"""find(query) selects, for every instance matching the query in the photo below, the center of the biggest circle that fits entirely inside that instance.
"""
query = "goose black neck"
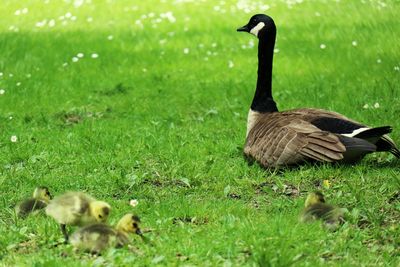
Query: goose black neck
(263, 101)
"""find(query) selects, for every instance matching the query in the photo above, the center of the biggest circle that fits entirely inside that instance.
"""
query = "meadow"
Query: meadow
(148, 100)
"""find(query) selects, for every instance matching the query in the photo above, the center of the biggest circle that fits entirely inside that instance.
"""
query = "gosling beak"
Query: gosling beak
(245, 28)
(138, 232)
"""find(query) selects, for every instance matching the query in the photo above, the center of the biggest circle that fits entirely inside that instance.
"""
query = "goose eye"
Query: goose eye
(100, 216)
(135, 225)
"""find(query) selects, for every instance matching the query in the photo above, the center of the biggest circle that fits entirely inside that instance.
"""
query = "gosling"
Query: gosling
(316, 208)
(77, 209)
(40, 199)
(97, 237)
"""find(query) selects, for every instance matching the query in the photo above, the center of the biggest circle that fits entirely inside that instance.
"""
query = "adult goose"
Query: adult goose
(291, 137)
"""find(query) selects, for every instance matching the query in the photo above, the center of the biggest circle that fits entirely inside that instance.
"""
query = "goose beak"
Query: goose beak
(138, 232)
(245, 28)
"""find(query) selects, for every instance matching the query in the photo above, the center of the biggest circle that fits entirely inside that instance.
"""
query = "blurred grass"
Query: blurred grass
(145, 120)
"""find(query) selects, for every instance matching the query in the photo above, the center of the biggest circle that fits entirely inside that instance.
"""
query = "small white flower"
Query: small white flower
(366, 106)
(230, 64)
(10, 75)
(322, 46)
(144, 70)
(379, 61)
(251, 43)
(14, 138)
(1, 74)
(2, 91)
(186, 50)
(10, 118)
(376, 105)
(396, 68)
(354, 43)
(133, 202)
(18, 84)
(24, 10)
(80, 55)
(276, 50)
(65, 64)
(75, 59)
(52, 23)
(68, 15)
(94, 55)
(110, 37)
(17, 12)
(214, 44)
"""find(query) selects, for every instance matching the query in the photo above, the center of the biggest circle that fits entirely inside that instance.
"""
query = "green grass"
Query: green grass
(145, 120)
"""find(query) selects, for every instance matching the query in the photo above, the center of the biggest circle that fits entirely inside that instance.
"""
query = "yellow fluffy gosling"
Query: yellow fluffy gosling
(316, 208)
(98, 237)
(40, 199)
(76, 208)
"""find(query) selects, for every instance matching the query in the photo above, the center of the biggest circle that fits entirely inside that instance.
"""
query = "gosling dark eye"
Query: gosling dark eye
(100, 216)
(135, 225)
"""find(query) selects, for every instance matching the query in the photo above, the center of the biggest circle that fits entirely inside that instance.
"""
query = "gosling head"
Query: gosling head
(100, 210)
(314, 198)
(129, 224)
(259, 24)
(42, 193)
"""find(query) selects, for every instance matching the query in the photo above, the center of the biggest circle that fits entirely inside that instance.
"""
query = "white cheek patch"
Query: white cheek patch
(257, 28)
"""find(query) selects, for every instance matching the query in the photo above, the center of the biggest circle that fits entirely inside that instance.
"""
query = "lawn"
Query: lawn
(148, 100)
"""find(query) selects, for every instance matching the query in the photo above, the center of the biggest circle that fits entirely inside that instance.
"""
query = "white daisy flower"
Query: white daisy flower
(379, 61)
(186, 50)
(80, 55)
(354, 43)
(14, 138)
(2, 91)
(322, 46)
(94, 55)
(75, 59)
(110, 37)
(52, 23)
(133, 202)
(366, 106)
(376, 105)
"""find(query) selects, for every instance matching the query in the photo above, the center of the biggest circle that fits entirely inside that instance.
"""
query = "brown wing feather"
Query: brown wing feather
(287, 138)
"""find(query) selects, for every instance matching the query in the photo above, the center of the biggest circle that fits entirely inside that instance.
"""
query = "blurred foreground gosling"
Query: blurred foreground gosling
(98, 237)
(40, 199)
(76, 208)
(316, 208)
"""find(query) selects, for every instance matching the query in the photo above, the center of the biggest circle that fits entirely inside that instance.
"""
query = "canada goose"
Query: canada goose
(40, 199)
(97, 237)
(276, 138)
(316, 208)
(76, 208)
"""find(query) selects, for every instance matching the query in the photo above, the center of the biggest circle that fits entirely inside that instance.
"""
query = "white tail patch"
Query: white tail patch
(357, 131)
(252, 118)
(257, 28)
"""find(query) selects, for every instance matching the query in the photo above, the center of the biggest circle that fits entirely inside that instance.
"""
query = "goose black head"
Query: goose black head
(258, 24)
